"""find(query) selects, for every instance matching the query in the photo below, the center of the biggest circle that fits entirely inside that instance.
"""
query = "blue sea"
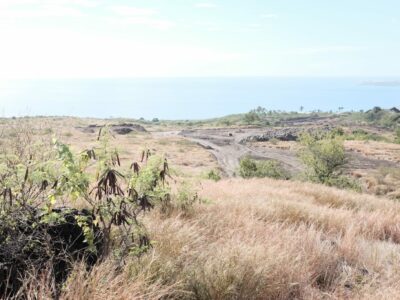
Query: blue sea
(191, 98)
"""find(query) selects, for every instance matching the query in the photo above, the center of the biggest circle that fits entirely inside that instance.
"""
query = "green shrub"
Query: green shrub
(397, 137)
(185, 198)
(214, 175)
(381, 117)
(338, 131)
(344, 182)
(324, 156)
(362, 135)
(249, 168)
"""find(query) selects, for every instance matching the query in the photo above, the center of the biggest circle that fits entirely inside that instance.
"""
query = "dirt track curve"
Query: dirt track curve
(229, 146)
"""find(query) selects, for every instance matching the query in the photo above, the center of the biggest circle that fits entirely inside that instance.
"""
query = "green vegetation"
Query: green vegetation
(397, 136)
(186, 198)
(376, 116)
(256, 117)
(261, 116)
(362, 135)
(249, 168)
(36, 179)
(213, 175)
(324, 157)
(159, 240)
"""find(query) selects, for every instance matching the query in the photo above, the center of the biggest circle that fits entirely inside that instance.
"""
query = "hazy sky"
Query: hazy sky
(88, 38)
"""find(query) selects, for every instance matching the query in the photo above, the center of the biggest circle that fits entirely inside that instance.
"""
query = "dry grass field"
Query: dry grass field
(244, 238)
(263, 239)
(381, 180)
(378, 150)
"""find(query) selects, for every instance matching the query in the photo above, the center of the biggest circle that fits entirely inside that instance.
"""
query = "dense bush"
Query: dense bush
(249, 168)
(382, 117)
(324, 156)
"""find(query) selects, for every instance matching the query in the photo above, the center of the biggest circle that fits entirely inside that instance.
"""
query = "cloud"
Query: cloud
(207, 25)
(254, 25)
(42, 12)
(325, 49)
(17, 9)
(15, 3)
(140, 16)
(85, 3)
(150, 22)
(133, 11)
(205, 5)
(55, 53)
(269, 16)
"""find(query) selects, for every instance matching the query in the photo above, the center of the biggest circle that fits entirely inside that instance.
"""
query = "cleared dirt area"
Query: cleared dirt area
(230, 145)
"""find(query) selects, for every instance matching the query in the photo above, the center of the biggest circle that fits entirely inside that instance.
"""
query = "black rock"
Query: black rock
(122, 130)
(37, 242)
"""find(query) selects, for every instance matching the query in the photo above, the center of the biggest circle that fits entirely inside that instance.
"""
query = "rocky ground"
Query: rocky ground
(230, 145)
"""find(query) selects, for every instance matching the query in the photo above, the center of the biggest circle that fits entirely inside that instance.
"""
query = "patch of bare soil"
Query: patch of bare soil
(230, 145)
(123, 128)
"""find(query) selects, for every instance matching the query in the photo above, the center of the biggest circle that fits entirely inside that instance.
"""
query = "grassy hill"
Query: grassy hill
(263, 239)
(227, 238)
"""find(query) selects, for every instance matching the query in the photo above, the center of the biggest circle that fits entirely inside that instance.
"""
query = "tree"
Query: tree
(251, 117)
(255, 115)
(260, 111)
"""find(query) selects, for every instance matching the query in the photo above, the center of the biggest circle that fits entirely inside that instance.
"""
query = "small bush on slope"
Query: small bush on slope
(213, 175)
(249, 168)
(324, 157)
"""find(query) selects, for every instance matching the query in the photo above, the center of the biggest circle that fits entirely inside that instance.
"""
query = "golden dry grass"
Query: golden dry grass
(266, 239)
(187, 158)
(377, 150)
(248, 239)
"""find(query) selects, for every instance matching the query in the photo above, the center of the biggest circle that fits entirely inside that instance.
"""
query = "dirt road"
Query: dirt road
(229, 146)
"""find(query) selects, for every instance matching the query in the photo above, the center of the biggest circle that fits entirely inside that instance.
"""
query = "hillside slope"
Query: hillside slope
(266, 239)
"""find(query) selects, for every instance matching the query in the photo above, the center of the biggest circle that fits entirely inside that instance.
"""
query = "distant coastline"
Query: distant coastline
(389, 83)
(191, 98)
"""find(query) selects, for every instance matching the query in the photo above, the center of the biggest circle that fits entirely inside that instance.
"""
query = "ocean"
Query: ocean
(191, 98)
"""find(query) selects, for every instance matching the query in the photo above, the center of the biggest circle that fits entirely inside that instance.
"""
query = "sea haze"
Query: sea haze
(191, 98)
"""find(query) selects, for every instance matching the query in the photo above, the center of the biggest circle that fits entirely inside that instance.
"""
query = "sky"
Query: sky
(42, 39)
